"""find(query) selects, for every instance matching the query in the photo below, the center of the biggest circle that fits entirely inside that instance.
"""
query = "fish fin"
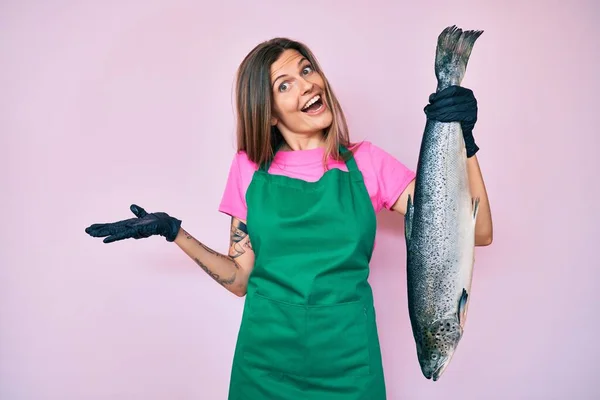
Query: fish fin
(462, 308)
(408, 219)
(475, 203)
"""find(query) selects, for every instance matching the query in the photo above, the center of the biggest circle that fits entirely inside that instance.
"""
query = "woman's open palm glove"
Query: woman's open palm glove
(145, 225)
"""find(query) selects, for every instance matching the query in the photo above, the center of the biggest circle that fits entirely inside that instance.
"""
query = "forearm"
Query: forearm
(483, 225)
(223, 269)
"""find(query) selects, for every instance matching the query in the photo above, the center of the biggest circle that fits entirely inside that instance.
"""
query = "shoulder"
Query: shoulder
(370, 155)
(240, 158)
(241, 171)
(384, 173)
(242, 166)
(371, 149)
(233, 201)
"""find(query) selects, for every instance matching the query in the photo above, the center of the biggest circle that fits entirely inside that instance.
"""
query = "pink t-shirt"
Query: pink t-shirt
(385, 177)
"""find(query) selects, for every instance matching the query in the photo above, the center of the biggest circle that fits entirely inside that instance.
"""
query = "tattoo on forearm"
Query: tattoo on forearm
(214, 275)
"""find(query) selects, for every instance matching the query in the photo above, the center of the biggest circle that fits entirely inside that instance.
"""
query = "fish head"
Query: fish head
(437, 346)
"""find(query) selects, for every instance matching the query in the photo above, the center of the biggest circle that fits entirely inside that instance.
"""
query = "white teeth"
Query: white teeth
(311, 102)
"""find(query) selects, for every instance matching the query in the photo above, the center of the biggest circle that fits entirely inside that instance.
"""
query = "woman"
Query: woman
(303, 201)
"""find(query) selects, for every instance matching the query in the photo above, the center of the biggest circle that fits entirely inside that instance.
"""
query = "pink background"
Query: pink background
(107, 103)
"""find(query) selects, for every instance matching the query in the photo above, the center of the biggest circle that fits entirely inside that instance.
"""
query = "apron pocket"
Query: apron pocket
(338, 340)
(273, 336)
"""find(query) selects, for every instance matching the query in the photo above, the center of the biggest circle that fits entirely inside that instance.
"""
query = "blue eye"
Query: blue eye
(283, 87)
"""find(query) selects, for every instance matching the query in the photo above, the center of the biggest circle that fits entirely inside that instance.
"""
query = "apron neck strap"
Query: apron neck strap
(267, 164)
(350, 162)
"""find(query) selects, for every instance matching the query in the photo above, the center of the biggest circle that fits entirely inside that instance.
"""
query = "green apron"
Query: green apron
(308, 329)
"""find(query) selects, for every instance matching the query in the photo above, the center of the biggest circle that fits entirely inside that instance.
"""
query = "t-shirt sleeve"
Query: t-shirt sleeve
(233, 201)
(392, 176)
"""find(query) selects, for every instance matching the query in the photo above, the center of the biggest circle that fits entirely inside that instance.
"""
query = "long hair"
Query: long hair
(254, 104)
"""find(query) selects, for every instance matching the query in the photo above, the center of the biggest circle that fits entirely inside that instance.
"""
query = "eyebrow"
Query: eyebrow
(283, 76)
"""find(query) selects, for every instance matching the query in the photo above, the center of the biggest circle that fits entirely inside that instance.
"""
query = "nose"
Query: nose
(306, 86)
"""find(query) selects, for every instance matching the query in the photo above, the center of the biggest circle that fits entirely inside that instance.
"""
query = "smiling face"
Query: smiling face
(274, 82)
(299, 97)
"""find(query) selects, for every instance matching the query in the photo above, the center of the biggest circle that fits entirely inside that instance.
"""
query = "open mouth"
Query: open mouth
(314, 105)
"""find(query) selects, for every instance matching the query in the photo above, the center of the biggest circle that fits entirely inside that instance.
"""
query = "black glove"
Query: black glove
(145, 225)
(455, 104)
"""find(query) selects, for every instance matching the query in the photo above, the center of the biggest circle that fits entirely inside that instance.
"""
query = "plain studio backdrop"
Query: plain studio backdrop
(104, 104)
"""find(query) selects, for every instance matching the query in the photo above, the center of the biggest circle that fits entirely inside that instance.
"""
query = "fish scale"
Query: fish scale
(440, 223)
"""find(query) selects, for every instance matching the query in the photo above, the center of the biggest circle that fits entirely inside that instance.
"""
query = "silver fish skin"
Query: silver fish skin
(440, 223)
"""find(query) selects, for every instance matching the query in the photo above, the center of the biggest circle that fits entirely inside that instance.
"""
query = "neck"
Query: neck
(295, 142)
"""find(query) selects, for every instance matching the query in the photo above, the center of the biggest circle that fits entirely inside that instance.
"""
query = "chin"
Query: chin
(326, 123)
(322, 121)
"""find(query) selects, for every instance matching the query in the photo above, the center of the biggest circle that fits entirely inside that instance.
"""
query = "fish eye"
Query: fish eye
(434, 356)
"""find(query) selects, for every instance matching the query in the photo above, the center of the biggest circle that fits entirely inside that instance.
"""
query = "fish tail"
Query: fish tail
(452, 55)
